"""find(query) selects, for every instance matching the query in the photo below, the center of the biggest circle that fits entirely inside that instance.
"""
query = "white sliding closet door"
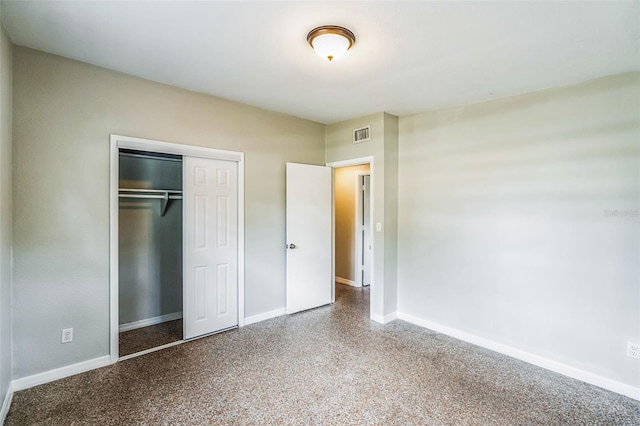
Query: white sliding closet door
(210, 198)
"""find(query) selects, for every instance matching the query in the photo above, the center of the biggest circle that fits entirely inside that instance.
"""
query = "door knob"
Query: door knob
(292, 246)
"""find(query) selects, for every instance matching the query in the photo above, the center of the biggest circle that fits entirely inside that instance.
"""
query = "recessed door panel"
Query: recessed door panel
(223, 289)
(223, 221)
(200, 293)
(200, 222)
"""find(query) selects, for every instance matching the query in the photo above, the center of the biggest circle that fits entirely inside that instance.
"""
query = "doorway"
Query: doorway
(185, 273)
(353, 244)
(352, 230)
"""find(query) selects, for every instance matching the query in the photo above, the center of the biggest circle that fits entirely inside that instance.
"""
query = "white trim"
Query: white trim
(241, 319)
(113, 249)
(384, 319)
(353, 162)
(333, 235)
(127, 142)
(139, 144)
(148, 351)
(557, 367)
(390, 317)
(374, 290)
(265, 316)
(6, 403)
(347, 282)
(377, 318)
(59, 373)
(149, 321)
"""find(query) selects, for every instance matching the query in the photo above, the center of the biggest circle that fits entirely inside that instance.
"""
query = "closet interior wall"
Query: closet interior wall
(150, 243)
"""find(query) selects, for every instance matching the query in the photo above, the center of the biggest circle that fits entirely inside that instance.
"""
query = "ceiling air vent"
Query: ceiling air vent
(362, 134)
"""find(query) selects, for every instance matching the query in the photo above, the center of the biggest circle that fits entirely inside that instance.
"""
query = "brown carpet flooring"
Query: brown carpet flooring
(326, 366)
(141, 339)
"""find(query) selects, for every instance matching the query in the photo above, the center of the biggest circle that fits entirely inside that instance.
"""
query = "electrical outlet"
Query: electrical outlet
(67, 335)
(633, 350)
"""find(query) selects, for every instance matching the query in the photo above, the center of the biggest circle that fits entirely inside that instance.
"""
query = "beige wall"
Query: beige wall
(64, 113)
(5, 209)
(339, 146)
(345, 184)
(391, 139)
(518, 222)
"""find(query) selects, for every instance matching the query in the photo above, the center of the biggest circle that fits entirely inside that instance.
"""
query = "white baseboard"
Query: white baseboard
(59, 373)
(557, 367)
(390, 317)
(149, 321)
(265, 316)
(6, 403)
(384, 319)
(346, 281)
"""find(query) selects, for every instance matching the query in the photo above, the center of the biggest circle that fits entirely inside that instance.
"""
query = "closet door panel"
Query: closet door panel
(210, 198)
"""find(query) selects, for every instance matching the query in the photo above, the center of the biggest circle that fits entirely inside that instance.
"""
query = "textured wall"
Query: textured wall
(64, 113)
(345, 183)
(5, 209)
(150, 245)
(519, 222)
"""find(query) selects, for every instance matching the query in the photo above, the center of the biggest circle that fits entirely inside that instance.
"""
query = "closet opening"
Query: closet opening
(149, 250)
(176, 244)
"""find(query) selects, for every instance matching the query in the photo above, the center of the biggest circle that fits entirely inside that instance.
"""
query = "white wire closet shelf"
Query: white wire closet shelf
(164, 195)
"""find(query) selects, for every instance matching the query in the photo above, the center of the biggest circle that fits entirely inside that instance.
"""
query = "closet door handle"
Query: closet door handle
(291, 246)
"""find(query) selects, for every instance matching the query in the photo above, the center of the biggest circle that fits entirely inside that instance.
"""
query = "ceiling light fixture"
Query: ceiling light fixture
(331, 41)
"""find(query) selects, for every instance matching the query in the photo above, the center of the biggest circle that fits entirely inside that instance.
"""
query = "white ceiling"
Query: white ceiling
(409, 56)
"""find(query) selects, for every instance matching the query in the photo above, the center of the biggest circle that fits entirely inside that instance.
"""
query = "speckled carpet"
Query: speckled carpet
(141, 339)
(326, 366)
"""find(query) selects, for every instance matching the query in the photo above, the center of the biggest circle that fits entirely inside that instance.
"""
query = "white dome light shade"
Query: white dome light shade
(330, 46)
(330, 41)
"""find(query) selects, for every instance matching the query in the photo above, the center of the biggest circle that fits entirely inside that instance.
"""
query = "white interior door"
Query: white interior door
(366, 230)
(308, 205)
(210, 199)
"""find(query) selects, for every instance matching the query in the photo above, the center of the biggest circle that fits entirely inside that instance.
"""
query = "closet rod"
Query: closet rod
(164, 195)
(160, 197)
(160, 191)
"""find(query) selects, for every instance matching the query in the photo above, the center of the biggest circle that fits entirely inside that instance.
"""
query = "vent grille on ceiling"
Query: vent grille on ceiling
(362, 134)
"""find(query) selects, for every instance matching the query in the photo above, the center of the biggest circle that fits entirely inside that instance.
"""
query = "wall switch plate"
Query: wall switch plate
(67, 335)
(378, 227)
(633, 350)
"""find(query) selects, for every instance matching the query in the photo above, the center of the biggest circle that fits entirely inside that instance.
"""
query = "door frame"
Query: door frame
(346, 163)
(359, 245)
(116, 143)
